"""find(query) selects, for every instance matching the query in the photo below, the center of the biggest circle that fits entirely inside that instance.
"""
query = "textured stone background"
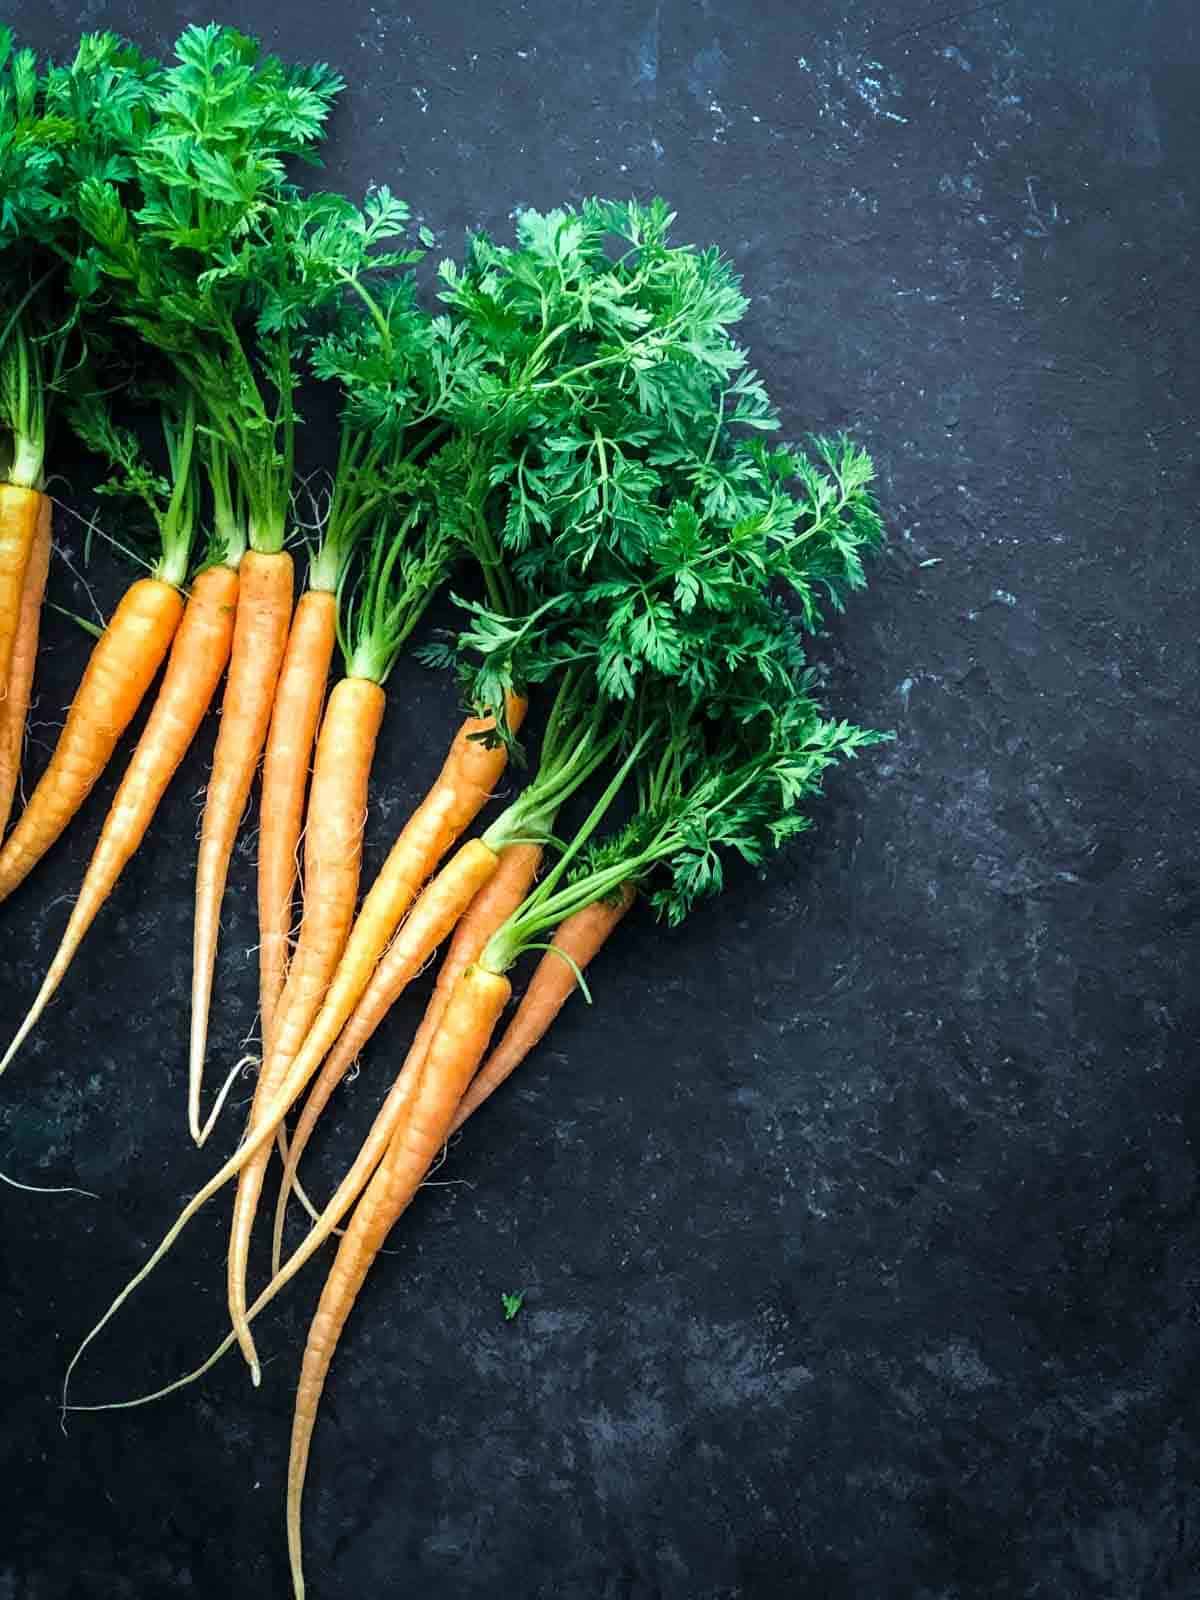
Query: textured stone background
(858, 1221)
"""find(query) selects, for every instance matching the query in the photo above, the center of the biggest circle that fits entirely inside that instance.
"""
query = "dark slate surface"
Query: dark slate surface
(858, 1221)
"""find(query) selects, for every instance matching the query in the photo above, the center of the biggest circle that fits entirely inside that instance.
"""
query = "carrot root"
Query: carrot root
(332, 856)
(20, 511)
(122, 666)
(198, 656)
(454, 1052)
(286, 760)
(264, 606)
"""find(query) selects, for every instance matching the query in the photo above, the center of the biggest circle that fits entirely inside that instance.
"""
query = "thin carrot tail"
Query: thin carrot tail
(474, 1008)
(81, 920)
(250, 1183)
(259, 640)
(14, 706)
(554, 981)
(337, 1064)
(272, 1078)
(111, 854)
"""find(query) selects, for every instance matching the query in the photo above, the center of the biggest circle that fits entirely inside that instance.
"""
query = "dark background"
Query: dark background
(858, 1220)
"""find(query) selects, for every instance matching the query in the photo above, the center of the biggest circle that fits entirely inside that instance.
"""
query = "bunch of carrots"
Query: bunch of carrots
(573, 447)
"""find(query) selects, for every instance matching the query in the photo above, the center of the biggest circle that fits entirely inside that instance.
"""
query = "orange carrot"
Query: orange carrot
(469, 774)
(198, 657)
(581, 936)
(14, 706)
(454, 1052)
(475, 886)
(20, 510)
(332, 857)
(264, 608)
(462, 788)
(495, 902)
(122, 667)
(298, 700)
(313, 1009)
(500, 896)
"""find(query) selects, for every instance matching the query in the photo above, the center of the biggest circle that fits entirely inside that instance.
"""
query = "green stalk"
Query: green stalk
(548, 905)
(373, 309)
(357, 464)
(177, 526)
(567, 764)
(23, 404)
(228, 544)
(396, 590)
(487, 553)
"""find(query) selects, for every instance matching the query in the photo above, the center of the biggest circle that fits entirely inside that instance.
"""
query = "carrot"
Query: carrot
(302, 1041)
(568, 760)
(198, 657)
(122, 667)
(332, 856)
(298, 700)
(303, 1038)
(126, 658)
(492, 904)
(467, 777)
(580, 937)
(14, 705)
(20, 511)
(475, 886)
(487, 910)
(454, 1052)
(462, 788)
(500, 893)
(259, 639)
(371, 620)
(428, 1101)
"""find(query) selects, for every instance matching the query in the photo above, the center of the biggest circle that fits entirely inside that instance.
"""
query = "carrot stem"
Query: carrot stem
(264, 606)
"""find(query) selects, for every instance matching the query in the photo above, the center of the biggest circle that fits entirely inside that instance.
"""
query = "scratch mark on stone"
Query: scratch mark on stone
(945, 20)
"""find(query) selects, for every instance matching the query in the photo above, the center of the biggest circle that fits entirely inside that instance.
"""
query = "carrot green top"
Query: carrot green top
(170, 498)
(707, 789)
(54, 126)
(22, 403)
(185, 239)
